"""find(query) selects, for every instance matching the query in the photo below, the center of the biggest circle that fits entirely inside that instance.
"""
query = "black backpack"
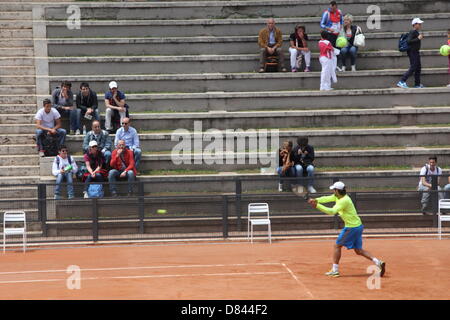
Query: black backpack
(403, 42)
(50, 143)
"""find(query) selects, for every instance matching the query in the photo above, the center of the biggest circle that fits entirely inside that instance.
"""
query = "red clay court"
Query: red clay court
(288, 270)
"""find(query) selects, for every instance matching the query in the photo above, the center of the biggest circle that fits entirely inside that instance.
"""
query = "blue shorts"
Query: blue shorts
(351, 237)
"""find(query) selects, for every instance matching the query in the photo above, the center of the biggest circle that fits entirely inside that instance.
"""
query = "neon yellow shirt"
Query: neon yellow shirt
(344, 207)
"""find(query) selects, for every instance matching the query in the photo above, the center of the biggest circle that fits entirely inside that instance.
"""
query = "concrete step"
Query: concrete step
(13, 43)
(326, 138)
(19, 160)
(231, 161)
(20, 89)
(15, 180)
(239, 63)
(296, 119)
(17, 71)
(209, 44)
(230, 27)
(19, 170)
(17, 80)
(6, 139)
(285, 100)
(17, 99)
(18, 108)
(235, 82)
(14, 191)
(17, 118)
(17, 129)
(236, 9)
(15, 15)
(16, 24)
(16, 149)
(17, 52)
(16, 61)
(16, 33)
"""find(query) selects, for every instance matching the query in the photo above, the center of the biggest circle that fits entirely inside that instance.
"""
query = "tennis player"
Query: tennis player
(351, 235)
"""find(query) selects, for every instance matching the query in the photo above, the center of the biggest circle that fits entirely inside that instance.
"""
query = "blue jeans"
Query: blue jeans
(59, 179)
(78, 115)
(137, 157)
(288, 173)
(61, 134)
(72, 115)
(349, 51)
(114, 175)
(447, 191)
(309, 174)
(98, 178)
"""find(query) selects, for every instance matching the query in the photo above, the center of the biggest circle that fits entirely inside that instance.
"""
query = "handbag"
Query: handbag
(360, 39)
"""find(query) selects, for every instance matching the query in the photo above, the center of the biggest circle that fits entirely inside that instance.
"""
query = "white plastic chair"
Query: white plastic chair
(258, 209)
(443, 204)
(14, 217)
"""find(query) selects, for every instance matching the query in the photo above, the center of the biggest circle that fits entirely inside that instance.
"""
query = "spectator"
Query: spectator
(48, 122)
(102, 138)
(303, 159)
(87, 104)
(331, 22)
(131, 138)
(430, 169)
(62, 100)
(350, 50)
(115, 106)
(415, 66)
(64, 167)
(122, 164)
(328, 73)
(270, 40)
(285, 164)
(95, 165)
(299, 46)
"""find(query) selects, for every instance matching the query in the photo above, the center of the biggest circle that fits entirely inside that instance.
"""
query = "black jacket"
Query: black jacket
(302, 159)
(87, 102)
(413, 40)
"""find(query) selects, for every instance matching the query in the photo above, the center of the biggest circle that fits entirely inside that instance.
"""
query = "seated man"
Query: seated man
(285, 164)
(62, 100)
(64, 167)
(303, 159)
(87, 105)
(428, 170)
(122, 164)
(131, 138)
(48, 122)
(115, 105)
(102, 138)
(95, 165)
(270, 40)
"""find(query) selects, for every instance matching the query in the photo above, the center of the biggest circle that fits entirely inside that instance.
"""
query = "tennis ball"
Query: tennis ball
(341, 42)
(445, 50)
(161, 211)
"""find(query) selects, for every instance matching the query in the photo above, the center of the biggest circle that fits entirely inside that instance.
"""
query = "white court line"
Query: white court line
(148, 267)
(298, 281)
(151, 276)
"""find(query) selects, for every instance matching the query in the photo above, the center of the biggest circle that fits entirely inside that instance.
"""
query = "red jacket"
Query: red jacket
(128, 157)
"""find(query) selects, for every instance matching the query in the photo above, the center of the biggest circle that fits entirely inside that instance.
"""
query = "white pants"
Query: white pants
(327, 73)
(294, 54)
(108, 116)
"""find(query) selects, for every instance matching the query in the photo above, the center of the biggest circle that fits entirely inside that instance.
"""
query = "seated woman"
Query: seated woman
(286, 166)
(350, 51)
(299, 46)
(95, 164)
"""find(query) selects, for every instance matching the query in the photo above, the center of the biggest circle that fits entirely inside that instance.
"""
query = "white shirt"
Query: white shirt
(56, 169)
(48, 119)
(423, 172)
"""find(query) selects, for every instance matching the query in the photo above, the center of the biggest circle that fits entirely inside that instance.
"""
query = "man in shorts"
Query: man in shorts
(351, 235)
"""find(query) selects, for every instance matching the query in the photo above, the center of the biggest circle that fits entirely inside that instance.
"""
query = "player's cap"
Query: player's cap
(93, 143)
(338, 185)
(112, 84)
(416, 20)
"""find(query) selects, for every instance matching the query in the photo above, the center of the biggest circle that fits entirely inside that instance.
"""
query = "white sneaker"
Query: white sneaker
(85, 195)
(280, 187)
(353, 68)
(311, 189)
(300, 189)
(339, 69)
(343, 68)
(77, 132)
